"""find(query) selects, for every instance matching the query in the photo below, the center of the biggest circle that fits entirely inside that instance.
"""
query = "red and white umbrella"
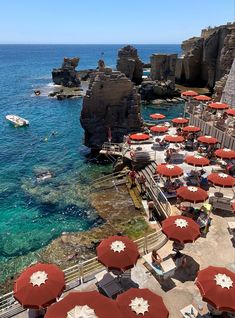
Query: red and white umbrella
(180, 120)
(157, 116)
(221, 180)
(217, 287)
(197, 161)
(39, 286)
(136, 303)
(225, 153)
(230, 112)
(139, 136)
(191, 128)
(159, 129)
(202, 98)
(218, 105)
(90, 304)
(181, 229)
(207, 140)
(174, 138)
(118, 253)
(189, 93)
(192, 194)
(172, 171)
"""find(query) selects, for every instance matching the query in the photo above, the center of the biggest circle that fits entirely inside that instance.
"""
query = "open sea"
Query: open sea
(31, 213)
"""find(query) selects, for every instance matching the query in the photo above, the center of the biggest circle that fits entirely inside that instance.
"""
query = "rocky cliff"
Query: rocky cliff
(130, 64)
(67, 75)
(206, 59)
(111, 104)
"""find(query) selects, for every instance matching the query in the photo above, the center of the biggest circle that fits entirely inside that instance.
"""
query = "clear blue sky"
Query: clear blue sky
(109, 21)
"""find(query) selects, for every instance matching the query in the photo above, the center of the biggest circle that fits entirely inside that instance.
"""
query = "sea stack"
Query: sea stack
(130, 64)
(67, 75)
(111, 106)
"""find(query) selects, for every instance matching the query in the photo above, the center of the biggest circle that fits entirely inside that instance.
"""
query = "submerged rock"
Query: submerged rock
(111, 106)
(130, 64)
(67, 75)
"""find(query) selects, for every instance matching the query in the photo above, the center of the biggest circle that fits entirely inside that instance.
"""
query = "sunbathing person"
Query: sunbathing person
(156, 258)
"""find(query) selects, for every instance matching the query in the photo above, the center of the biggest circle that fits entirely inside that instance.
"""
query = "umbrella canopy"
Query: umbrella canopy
(179, 120)
(197, 161)
(207, 140)
(192, 194)
(85, 305)
(218, 105)
(221, 180)
(230, 112)
(191, 129)
(189, 93)
(181, 229)
(225, 153)
(217, 287)
(118, 253)
(139, 136)
(39, 286)
(136, 303)
(159, 129)
(171, 171)
(157, 116)
(202, 98)
(174, 138)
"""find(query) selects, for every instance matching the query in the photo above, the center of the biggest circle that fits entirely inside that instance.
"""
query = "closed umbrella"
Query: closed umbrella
(136, 303)
(139, 136)
(217, 287)
(207, 140)
(225, 153)
(192, 194)
(174, 138)
(181, 229)
(118, 253)
(171, 171)
(84, 305)
(39, 286)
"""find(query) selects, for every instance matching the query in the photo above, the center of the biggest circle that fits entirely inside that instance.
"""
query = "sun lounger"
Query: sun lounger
(165, 270)
(176, 158)
(222, 203)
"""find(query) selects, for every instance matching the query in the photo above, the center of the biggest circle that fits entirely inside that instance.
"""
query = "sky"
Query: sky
(109, 21)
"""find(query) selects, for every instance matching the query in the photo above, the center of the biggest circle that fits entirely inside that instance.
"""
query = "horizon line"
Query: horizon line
(90, 43)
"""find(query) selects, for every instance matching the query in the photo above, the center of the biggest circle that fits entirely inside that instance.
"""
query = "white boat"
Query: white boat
(17, 120)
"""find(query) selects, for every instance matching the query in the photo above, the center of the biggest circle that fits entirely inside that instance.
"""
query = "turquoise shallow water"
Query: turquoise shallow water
(31, 213)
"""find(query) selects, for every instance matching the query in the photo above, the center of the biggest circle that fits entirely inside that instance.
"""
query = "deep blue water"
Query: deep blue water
(32, 214)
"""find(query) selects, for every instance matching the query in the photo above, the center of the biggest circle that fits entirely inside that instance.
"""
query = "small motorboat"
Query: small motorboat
(44, 176)
(17, 121)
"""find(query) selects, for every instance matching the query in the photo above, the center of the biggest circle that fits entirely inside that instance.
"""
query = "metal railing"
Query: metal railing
(108, 146)
(83, 272)
(159, 198)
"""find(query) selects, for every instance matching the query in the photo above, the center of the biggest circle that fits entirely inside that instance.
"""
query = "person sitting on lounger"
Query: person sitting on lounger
(156, 258)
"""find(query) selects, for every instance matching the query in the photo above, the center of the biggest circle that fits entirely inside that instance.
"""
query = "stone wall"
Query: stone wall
(130, 64)
(111, 102)
(208, 58)
(163, 67)
(228, 93)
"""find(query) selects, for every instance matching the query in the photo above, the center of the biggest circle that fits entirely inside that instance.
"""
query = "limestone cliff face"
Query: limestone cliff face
(67, 75)
(130, 64)
(207, 58)
(111, 102)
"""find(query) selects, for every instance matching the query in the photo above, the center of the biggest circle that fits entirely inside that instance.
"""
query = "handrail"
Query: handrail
(108, 178)
(82, 272)
(159, 198)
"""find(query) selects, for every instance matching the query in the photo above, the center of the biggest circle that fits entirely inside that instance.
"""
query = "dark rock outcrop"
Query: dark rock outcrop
(151, 90)
(111, 103)
(130, 64)
(67, 75)
(206, 59)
